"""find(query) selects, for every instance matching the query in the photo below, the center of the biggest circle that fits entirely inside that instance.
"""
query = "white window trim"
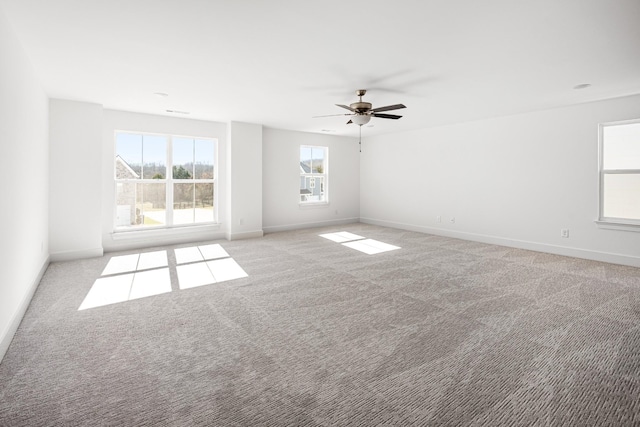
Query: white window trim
(324, 175)
(612, 223)
(312, 205)
(178, 230)
(622, 226)
(166, 228)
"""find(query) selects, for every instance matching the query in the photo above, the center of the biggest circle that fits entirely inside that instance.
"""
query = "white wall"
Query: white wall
(244, 172)
(24, 187)
(513, 180)
(75, 179)
(281, 181)
(136, 122)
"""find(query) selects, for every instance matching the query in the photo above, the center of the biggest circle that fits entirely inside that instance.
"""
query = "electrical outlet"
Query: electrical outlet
(564, 233)
(439, 218)
(241, 221)
(453, 219)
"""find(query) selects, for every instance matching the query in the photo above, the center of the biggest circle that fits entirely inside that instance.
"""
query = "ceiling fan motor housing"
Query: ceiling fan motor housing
(361, 107)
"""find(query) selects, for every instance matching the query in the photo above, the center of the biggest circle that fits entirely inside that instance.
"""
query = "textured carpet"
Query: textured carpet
(439, 332)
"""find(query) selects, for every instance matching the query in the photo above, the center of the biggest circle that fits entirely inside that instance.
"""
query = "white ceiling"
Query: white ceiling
(281, 62)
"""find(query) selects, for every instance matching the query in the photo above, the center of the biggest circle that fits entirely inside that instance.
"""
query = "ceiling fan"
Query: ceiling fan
(361, 112)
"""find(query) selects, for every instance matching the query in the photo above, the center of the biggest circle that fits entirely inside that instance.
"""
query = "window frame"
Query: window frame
(617, 223)
(324, 175)
(169, 182)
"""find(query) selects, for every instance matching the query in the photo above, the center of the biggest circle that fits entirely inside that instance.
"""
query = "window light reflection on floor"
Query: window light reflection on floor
(341, 237)
(129, 277)
(370, 246)
(226, 269)
(135, 262)
(126, 287)
(152, 282)
(212, 265)
(108, 290)
(359, 243)
(199, 253)
(193, 275)
(149, 260)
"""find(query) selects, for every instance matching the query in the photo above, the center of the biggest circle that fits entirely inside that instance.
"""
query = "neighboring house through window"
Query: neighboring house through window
(620, 173)
(163, 180)
(313, 174)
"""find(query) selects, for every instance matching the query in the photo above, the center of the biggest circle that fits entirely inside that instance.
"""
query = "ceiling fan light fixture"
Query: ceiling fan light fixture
(360, 119)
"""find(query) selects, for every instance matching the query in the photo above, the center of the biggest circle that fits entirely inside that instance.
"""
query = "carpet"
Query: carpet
(438, 332)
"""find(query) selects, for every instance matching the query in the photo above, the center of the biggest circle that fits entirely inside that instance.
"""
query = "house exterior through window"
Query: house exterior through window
(313, 174)
(163, 181)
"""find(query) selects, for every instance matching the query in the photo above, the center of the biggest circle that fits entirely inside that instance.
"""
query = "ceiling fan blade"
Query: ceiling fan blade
(346, 107)
(386, 116)
(388, 108)
(332, 115)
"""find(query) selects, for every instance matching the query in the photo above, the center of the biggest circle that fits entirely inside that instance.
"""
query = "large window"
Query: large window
(163, 180)
(620, 172)
(313, 174)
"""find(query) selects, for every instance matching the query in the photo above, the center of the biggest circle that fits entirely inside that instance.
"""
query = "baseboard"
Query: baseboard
(71, 255)
(245, 235)
(612, 258)
(301, 226)
(10, 331)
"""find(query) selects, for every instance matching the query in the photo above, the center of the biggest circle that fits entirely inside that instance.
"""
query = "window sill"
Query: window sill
(311, 205)
(621, 226)
(163, 232)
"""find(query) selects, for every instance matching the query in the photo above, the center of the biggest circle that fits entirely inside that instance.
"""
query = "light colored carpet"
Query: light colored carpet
(440, 332)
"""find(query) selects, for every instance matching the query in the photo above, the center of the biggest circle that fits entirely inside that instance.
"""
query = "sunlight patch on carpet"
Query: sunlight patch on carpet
(341, 236)
(226, 269)
(199, 253)
(205, 265)
(124, 287)
(208, 273)
(194, 275)
(370, 246)
(134, 276)
(135, 262)
(213, 251)
(108, 290)
(148, 283)
(359, 243)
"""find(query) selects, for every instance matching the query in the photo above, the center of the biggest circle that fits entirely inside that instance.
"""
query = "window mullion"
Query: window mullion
(193, 181)
(169, 189)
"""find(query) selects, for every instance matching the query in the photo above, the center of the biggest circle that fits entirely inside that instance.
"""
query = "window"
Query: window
(163, 180)
(313, 174)
(620, 172)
